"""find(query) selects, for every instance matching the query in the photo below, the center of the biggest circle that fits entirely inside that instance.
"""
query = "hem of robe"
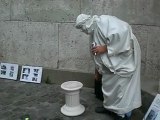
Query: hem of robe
(123, 110)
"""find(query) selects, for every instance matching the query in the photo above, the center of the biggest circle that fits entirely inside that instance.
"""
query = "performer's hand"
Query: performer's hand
(99, 50)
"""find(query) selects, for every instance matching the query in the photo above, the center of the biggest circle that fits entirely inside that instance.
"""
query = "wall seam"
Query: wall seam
(37, 21)
(80, 6)
(58, 48)
(146, 25)
(10, 11)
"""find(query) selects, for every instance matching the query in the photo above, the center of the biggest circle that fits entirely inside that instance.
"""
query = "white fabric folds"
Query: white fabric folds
(120, 66)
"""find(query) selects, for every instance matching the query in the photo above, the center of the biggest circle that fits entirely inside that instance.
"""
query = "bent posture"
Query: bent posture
(117, 57)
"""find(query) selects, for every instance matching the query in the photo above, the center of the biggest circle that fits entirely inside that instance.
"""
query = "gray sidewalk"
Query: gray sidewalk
(43, 102)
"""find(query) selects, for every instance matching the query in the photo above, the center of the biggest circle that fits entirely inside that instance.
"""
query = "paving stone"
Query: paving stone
(43, 102)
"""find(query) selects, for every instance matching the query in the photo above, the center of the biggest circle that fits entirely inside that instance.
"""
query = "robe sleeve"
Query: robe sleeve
(118, 43)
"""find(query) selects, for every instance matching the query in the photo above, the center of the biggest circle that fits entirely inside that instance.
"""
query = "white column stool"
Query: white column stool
(72, 105)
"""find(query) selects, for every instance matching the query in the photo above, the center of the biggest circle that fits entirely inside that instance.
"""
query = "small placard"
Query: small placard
(153, 112)
(31, 74)
(8, 71)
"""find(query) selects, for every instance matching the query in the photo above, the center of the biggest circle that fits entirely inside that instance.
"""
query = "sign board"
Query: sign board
(153, 112)
(9, 71)
(31, 74)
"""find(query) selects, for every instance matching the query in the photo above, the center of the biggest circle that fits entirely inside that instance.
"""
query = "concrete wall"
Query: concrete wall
(42, 33)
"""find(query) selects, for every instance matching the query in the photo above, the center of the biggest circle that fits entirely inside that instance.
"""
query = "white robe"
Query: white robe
(120, 67)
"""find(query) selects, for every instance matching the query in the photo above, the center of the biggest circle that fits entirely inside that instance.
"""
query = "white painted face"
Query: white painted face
(84, 29)
(87, 30)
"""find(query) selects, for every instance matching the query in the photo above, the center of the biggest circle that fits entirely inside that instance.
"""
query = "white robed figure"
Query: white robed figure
(119, 63)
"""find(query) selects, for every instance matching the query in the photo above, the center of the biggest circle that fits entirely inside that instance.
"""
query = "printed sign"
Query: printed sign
(8, 71)
(153, 112)
(31, 74)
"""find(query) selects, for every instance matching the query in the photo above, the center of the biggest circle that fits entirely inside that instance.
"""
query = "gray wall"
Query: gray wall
(42, 33)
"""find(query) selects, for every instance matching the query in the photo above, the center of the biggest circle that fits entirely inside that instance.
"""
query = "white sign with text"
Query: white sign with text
(31, 74)
(9, 71)
(153, 112)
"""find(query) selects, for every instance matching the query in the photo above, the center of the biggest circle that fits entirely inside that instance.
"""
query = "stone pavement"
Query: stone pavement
(43, 102)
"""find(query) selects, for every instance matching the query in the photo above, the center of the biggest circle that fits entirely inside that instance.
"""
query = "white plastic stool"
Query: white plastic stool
(72, 105)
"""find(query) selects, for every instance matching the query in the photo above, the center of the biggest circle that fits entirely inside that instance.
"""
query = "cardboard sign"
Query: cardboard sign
(8, 71)
(31, 74)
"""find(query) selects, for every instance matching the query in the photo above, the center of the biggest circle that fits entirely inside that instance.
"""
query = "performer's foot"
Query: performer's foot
(103, 110)
(122, 118)
(118, 118)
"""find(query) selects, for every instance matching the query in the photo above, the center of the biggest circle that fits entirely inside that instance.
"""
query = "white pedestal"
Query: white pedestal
(72, 105)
